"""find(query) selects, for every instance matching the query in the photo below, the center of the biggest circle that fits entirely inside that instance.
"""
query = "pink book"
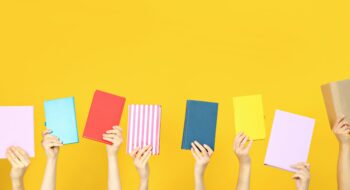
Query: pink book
(16, 128)
(290, 140)
(144, 127)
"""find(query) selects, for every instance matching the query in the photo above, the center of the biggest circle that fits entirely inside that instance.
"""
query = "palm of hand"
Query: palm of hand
(203, 161)
(341, 135)
(115, 146)
(52, 152)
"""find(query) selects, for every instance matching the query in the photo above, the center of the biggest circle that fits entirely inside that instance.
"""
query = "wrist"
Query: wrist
(51, 160)
(16, 179)
(304, 185)
(199, 171)
(144, 178)
(112, 155)
(244, 162)
(344, 145)
(17, 183)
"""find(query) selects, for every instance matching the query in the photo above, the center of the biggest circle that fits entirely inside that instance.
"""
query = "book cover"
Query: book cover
(105, 112)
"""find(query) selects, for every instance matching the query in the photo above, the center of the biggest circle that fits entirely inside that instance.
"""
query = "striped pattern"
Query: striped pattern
(144, 127)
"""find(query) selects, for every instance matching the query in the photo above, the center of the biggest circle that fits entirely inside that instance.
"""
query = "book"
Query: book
(17, 129)
(249, 116)
(290, 140)
(200, 123)
(144, 127)
(105, 112)
(336, 97)
(61, 119)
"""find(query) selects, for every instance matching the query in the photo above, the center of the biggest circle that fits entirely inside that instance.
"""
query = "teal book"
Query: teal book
(200, 123)
(61, 119)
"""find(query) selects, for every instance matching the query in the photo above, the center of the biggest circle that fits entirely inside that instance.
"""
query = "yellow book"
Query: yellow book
(249, 116)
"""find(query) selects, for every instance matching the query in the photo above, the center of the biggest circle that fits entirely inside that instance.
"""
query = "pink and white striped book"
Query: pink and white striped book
(144, 127)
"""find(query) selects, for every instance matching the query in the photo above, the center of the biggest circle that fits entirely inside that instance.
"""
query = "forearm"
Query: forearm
(113, 173)
(49, 181)
(243, 182)
(17, 184)
(344, 167)
(143, 184)
(199, 179)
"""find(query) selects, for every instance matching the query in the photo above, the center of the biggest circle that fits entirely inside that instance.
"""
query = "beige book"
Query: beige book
(336, 96)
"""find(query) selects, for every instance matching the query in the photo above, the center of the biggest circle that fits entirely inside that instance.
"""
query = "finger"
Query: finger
(111, 140)
(296, 176)
(54, 144)
(209, 150)
(343, 124)
(14, 158)
(9, 158)
(347, 130)
(46, 132)
(111, 132)
(140, 153)
(50, 137)
(307, 166)
(340, 119)
(134, 152)
(109, 135)
(146, 157)
(147, 154)
(244, 141)
(194, 154)
(24, 154)
(236, 141)
(201, 148)
(249, 146)
(21, 158)
(50, 141)
(299, 166)
(239, 140)
(196, 150)
(118, 128)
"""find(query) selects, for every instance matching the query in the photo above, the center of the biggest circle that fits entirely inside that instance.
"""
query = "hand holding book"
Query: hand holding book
(302, 175)
(341, 129)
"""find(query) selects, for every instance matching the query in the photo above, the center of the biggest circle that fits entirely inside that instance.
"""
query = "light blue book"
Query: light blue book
(60, 118)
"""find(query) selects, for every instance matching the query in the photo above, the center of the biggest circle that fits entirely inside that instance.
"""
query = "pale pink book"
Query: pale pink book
(16, 128)
(290, 140)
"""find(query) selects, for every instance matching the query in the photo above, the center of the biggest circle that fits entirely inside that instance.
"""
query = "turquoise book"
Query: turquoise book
(200, 123)
(61, 119)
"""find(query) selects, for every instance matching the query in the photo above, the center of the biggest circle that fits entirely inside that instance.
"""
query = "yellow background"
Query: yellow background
(156, 51)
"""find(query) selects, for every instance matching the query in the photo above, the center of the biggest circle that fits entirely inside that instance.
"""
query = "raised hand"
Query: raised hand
(302, 176)
(115, 137)
(341, 129)
(141, 157)
(51, 144)
(20, 161)
(241, 149)
(202, 155)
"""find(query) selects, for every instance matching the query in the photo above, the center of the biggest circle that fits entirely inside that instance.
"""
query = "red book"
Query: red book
(105, 112)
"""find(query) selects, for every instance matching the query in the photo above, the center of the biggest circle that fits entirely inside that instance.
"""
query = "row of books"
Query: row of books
(289, 141)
